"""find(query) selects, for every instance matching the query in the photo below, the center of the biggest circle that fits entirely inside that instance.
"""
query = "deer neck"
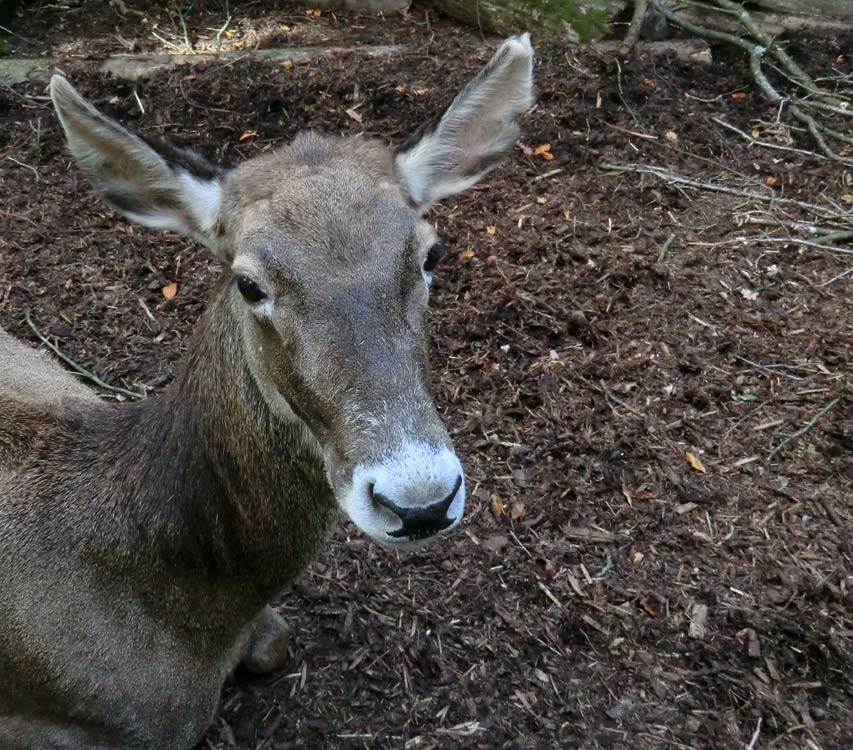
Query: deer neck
(231, 484)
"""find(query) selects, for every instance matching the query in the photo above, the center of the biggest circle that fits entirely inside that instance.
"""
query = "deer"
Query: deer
(144, 543)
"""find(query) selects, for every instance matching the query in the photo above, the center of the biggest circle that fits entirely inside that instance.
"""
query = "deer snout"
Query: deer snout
(420, 521)
(416, 494)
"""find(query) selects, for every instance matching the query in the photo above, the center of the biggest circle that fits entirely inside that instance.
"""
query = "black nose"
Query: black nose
(422, 521)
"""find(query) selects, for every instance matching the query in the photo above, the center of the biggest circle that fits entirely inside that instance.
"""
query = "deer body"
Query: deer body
(141, 544)
(144, 538)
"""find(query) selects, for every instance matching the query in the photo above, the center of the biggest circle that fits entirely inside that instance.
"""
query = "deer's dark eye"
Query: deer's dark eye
(251, 292)
(434, 255)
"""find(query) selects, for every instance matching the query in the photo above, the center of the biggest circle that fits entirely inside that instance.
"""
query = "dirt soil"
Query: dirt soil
(595, 331)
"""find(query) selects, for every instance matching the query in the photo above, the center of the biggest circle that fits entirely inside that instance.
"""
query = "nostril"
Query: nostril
(419, 521)
(383, 502)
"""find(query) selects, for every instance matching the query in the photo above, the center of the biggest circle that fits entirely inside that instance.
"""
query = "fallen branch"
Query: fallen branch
(763, 38)
(78, 369)
(763, 46)
(636, 25)
(799, 433)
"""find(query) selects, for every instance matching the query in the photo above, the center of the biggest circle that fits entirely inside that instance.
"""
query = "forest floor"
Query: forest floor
(650, 560)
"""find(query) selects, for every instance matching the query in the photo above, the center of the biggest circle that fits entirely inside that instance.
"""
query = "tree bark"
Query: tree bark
(579, 20)
(828, 9)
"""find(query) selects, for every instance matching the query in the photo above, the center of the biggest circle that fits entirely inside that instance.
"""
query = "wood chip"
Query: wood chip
(576, 587)
(753, 646)
(584, 534)
(698, 618)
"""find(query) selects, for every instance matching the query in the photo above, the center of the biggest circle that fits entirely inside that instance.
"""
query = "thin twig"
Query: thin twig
(836, 277)
(81, 371)
(613, 397)
(765, 144)
(765, 368)
(758, 239)
(799, 433)
(843, 111)
(757, 733)
(755, 58)
(814, 129)
(25, 166)
(665, 248)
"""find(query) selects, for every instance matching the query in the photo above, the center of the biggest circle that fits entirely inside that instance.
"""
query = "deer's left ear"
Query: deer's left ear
(476, 132)
(164, 188)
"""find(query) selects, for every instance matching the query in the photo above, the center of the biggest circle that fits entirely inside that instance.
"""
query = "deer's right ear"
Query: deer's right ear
(175, 189)
(475, 133)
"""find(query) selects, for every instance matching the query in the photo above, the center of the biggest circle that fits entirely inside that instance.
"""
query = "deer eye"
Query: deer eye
(434, 255)
(251, 292)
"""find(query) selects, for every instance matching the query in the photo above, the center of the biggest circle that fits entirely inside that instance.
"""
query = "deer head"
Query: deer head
(331, 264)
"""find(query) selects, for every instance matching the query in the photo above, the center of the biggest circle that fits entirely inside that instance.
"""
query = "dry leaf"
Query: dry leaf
(466, 254)
(847, 199)
(516, 510)
(541, 201)
(491, 230)
(649, 83)
(286, 64)
(671, 135)
(284, 27)
(314, 13)
(771, 180)
(694, 462)
(544, 151)
(497, 505)
(756, 133)
(248, 134)
(739, 95)
(170, 290)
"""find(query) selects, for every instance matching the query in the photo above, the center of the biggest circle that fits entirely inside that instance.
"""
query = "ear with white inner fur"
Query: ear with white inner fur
(476, 132)
(173, 189)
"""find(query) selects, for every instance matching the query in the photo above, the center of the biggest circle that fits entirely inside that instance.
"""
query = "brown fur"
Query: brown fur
(146, 535)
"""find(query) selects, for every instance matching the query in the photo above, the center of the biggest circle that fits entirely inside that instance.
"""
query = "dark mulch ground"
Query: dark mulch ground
(576, 368)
